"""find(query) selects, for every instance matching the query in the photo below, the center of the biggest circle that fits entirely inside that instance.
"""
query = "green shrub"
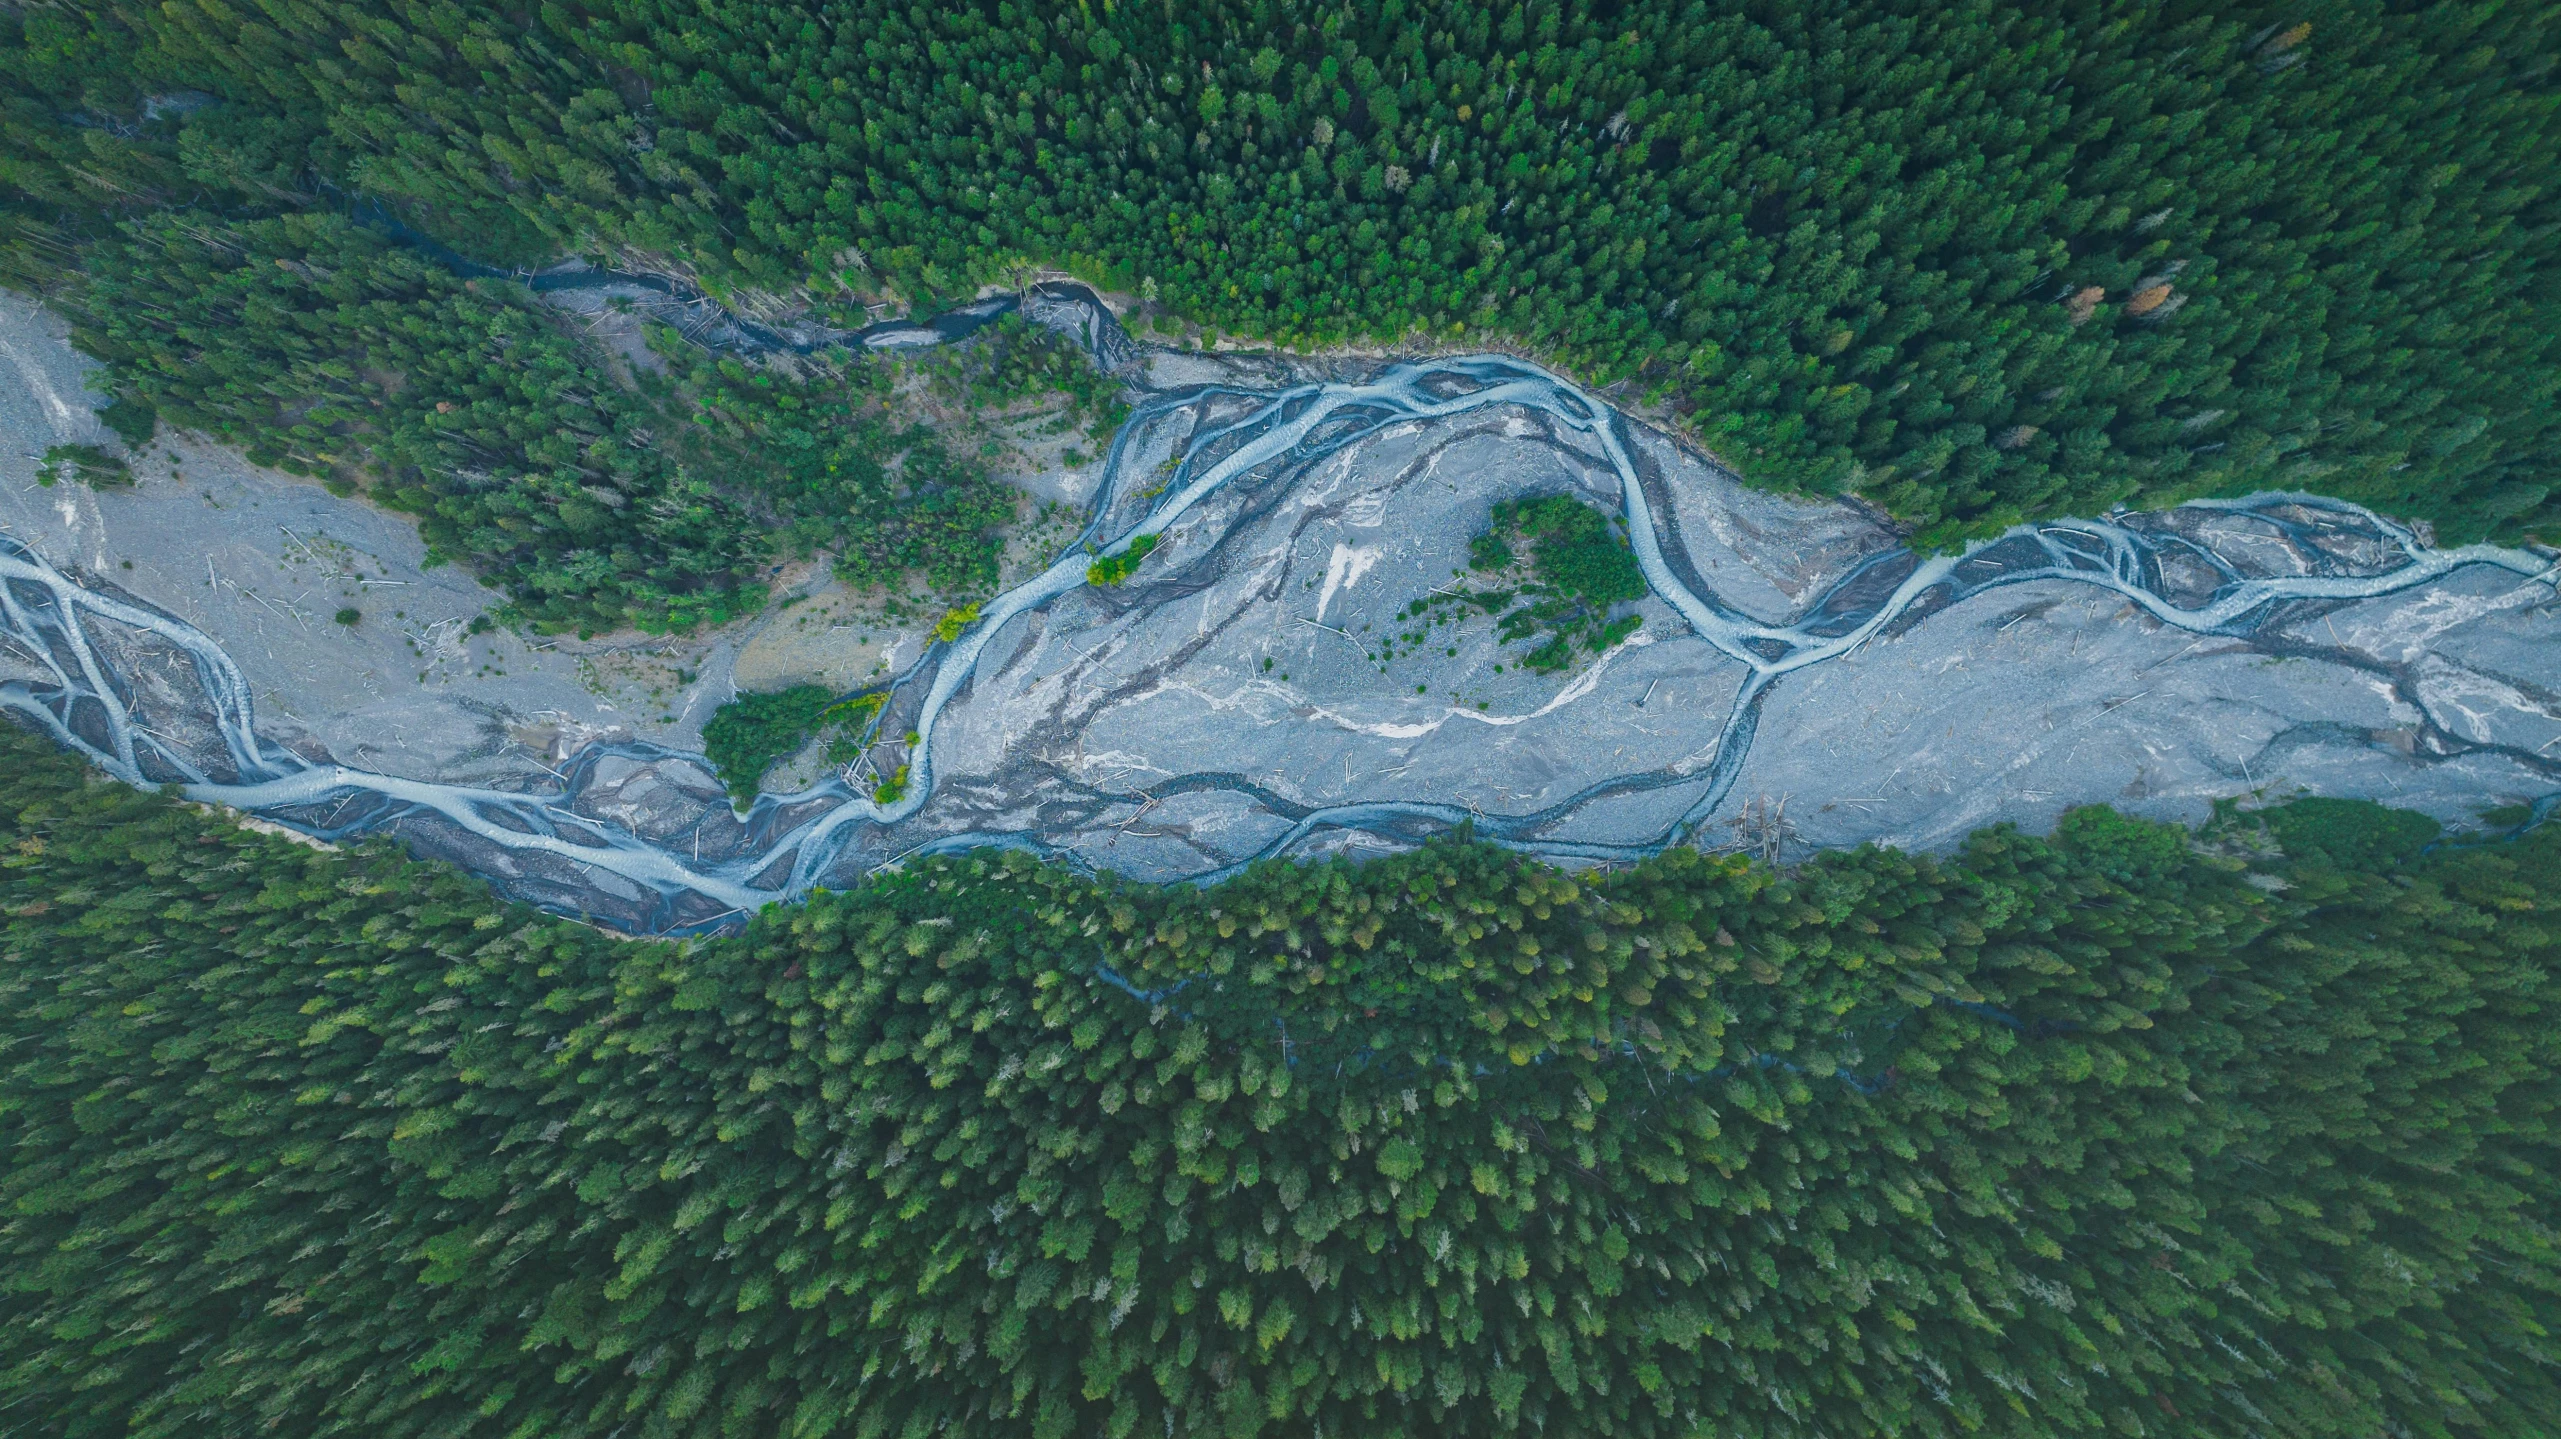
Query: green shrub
(88, 464)
(1112, 569)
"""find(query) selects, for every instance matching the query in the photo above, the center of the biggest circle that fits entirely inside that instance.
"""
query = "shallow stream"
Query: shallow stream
(1240, 481)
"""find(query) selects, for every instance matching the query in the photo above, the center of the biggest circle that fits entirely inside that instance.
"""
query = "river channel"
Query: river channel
(1239, 698)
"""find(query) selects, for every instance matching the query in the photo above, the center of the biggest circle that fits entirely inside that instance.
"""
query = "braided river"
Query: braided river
(1239, 698)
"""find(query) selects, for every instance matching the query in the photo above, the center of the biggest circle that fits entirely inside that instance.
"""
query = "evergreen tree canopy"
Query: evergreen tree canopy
(2112, 1132)
(1976, 263)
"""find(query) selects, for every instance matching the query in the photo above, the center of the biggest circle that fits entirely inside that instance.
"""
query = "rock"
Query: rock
(1798, 681)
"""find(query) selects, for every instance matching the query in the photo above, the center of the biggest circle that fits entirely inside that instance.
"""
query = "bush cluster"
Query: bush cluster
(1561, 594)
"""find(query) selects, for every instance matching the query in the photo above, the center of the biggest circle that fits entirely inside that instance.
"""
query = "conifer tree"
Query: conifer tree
(2120, 1131)
(1979, 268)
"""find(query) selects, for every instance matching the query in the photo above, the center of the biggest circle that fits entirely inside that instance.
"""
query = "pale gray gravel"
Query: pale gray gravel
(1227, 699)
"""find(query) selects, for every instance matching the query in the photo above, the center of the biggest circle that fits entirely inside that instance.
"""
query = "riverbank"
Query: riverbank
(1798, 682)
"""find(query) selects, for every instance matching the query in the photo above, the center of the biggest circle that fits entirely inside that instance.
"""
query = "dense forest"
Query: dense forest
(2123, 1131)
(593, 501)
(1977, 264)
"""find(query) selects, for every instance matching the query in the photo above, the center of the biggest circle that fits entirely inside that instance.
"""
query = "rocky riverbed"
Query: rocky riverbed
(1798, 680)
